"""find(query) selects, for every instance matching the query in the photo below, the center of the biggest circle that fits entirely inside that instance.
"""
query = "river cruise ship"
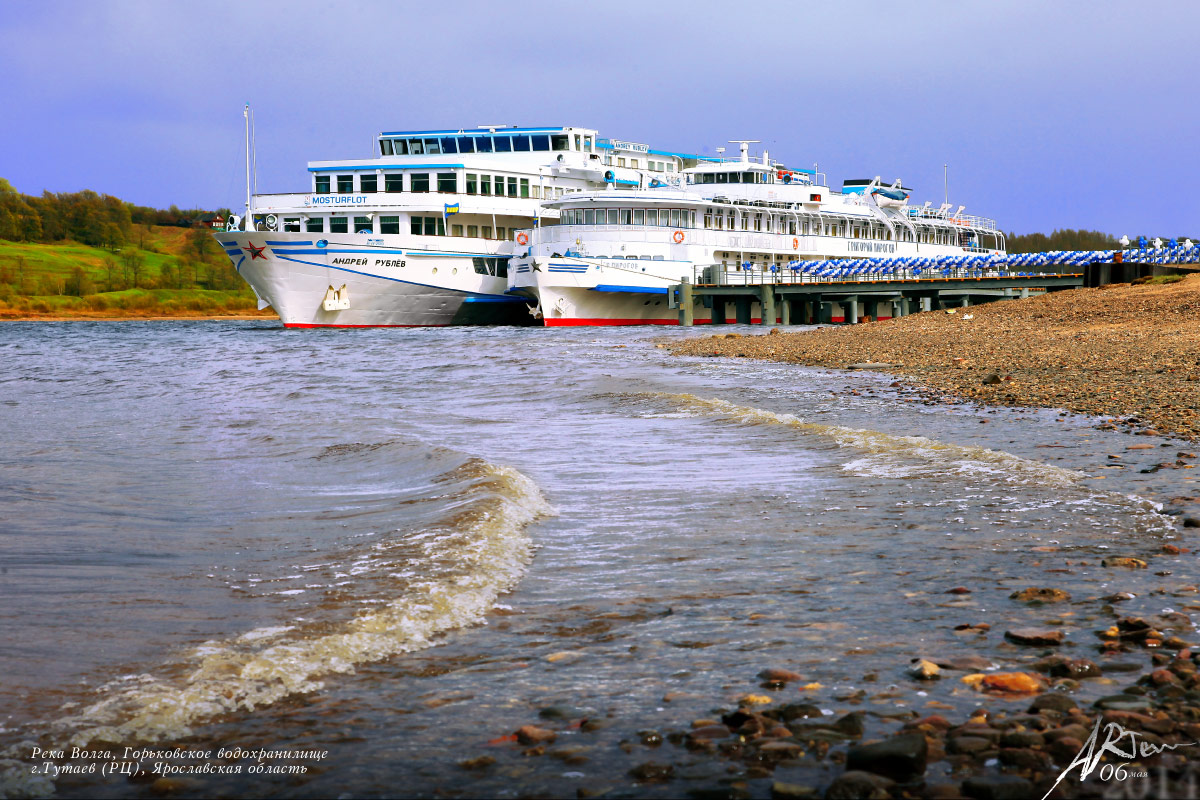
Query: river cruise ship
(613, 255)
(422, 232)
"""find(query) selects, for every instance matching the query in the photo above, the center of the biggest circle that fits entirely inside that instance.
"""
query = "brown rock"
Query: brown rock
(1006, 683)
(531, 734)
(1024, 758)
(924, 670)
(652, 771)
(1040, 595)
(856, 785)
(1123, 561)
(477, 763)
(1033, 637)
(967, 745)
(777, 675)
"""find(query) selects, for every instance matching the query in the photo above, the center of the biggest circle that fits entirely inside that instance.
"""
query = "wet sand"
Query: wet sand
(1127, 352)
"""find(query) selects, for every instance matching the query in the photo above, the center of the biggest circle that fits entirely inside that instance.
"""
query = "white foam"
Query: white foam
(483, 551)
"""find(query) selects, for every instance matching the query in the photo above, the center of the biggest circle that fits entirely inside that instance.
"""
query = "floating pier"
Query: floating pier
(805, 293)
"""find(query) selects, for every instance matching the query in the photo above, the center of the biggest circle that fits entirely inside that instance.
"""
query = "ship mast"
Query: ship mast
(249, 215)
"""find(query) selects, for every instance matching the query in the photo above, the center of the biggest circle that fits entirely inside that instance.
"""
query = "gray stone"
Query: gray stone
(900, 757)
(859, 786)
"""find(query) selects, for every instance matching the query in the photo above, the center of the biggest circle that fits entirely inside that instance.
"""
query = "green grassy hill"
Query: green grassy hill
(159, 271)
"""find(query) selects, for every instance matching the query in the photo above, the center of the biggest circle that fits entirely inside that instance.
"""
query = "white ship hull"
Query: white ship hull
(578, 298)
(368, 281)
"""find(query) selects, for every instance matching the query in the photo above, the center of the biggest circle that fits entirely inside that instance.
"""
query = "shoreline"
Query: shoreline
(101, 317)
(1122, 352)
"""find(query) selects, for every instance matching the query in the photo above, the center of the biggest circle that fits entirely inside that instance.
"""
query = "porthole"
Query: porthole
(454, 271)
(646, 303)
(435, 270)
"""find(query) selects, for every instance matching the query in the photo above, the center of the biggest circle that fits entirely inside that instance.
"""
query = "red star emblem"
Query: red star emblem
(255, 252)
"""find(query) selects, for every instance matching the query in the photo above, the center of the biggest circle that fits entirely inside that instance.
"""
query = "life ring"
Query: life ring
(795, 244)
(678, 237)
(522, 238)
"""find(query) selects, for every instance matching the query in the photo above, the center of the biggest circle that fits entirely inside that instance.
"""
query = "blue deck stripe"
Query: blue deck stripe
(608, 287)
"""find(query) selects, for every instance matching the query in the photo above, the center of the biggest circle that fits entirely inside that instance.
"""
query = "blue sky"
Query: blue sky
(1049, 114)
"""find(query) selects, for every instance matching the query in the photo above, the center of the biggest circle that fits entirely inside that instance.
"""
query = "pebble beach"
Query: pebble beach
(1129, 353)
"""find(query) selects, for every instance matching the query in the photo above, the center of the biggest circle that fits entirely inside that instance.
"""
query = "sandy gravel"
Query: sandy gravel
(1122, 351)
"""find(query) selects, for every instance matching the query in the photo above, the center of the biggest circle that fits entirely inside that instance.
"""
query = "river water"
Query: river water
(398, 546)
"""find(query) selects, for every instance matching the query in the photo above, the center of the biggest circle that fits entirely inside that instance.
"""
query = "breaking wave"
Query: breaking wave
(884, 454)
(400, 593)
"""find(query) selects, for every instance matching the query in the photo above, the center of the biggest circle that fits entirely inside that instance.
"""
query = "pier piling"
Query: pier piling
(766, 299)
(685, 302)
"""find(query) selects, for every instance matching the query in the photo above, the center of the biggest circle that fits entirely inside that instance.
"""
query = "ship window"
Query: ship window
(483, 144)
(652, 216)
(620, 161)
(322, 184)
(612, 216)
(486, 231)
(524, 187)
(416, 147)
(418, 182)
(393, 182)
(626, 216)
(639, 216)
(456, 230)
(466, 144)
(414, 225)
(449, 144)
(385, 147)
(480, 265)
(671, 166)
(521, 144)
(447, 182)
(315, 225)
(472, 183)
(345, 184)
(485, 184)
(512, 187)
(633, 162)
(389, 224)
(503, 144)
(722, 177)
(674, 217)
(432, 147)
(561, 142)
(473, 231)
(363, 225)
(400, 147)
(338, 225)
(501, 267)
(536, 192)
(589, 216)
(748, 177)
(501, 233)
(541, 142)
(291, 224)
(368, 184)
(587, 142)
(644, 258)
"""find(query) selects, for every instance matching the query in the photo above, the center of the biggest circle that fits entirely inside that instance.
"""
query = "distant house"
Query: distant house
(215, 223)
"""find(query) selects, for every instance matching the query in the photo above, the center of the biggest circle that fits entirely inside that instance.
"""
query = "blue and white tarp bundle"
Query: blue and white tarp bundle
(986, 265)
